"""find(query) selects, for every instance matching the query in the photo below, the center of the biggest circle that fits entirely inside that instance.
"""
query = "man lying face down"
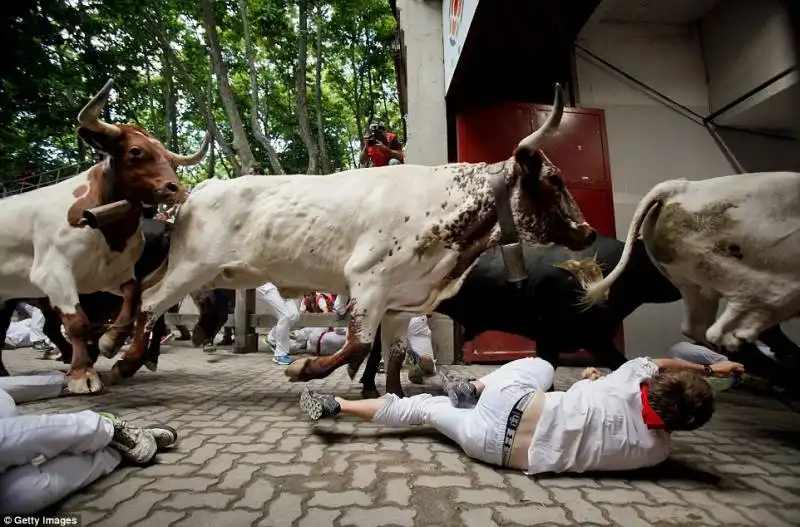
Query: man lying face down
(507, 418)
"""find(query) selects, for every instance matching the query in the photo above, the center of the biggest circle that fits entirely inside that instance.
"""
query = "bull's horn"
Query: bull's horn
(535, 141)
(89, 117)
(195, 158)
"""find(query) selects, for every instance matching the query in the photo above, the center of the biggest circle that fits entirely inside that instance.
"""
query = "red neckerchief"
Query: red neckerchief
(650, 417)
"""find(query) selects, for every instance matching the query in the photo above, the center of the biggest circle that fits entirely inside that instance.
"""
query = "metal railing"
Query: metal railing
(25, 183)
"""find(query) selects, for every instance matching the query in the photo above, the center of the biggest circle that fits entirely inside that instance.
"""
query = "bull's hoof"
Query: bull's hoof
(84, 382)
(124, 369)
(352, 371)
(296, 370)
(370, 393)
(150, 365)
(107, 346)
(4, 372)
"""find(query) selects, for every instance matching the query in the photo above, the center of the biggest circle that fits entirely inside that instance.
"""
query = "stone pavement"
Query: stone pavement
(247, 457)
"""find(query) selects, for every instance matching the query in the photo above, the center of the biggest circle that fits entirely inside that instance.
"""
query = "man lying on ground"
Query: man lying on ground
(618, 422)
(45, 458)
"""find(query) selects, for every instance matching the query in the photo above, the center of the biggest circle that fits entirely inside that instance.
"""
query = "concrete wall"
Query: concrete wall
(421, 21)
(648, 142)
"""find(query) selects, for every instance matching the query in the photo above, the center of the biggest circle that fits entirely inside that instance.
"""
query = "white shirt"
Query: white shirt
(598, 425)
(419, 336)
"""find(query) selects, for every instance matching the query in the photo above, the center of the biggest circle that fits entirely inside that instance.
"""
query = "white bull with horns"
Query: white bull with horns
(397, 240)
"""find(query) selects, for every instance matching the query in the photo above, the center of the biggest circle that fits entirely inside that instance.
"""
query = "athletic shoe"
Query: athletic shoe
(8, 345)
(318, 405)
(51, 355)
(166, 339)
(461, 392)
(283, 360)
(111, 416)
(135, 444)
(165, 436)
(42, 346)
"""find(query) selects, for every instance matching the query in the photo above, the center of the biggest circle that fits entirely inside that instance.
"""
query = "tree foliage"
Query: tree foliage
(287, 94)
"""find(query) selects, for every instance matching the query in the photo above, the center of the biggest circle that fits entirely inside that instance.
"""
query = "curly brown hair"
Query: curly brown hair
(683, 399)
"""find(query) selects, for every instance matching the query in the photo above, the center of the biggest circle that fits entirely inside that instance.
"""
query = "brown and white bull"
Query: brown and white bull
(47, 250)
(733, 237)
(396, 239)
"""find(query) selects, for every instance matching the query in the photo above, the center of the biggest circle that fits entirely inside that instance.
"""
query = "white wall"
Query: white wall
(648, 142)
(421, 22)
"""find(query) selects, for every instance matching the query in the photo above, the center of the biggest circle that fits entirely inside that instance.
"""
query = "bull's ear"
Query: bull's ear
(96, 140)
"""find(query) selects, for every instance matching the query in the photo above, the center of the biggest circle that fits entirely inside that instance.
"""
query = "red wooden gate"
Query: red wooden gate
(579, 149)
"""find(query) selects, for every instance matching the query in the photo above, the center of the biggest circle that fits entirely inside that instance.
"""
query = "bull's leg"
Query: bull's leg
(6, 312)
(369, 389)
(57, 282)
(700, 311)
(394, 342)
(114, 338)
(365, 315)
(177, 283)
(154, 347)
(738, 324)
(52, 329)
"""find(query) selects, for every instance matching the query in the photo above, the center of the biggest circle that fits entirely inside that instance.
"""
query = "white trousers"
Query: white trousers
(27, 332)
(45, 458)
(419, 336)
(702, 355)
(284, 310)
(479, 431)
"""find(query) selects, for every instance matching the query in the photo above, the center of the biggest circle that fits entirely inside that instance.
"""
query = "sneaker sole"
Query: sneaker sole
(310, 406)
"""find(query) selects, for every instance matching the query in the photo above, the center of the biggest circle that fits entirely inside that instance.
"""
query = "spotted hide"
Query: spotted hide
(733, 237)
(397, 240)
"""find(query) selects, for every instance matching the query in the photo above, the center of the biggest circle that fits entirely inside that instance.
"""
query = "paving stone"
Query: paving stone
(319, 517)
(283, 511)
(377, 517)
(196, 500)
(443, 481)
(173, 483)
(258, 493)
(238, 477)
(530, 490)
(336, 499)
(119, 493)
(478, 518)
(364, 475)
(234, 518)
(160, 519)
(134, 509)
(482, 496)
(526, 515)
(679, 514)
(240, 426)
(582, 510)
(397, 491)
(295, 469)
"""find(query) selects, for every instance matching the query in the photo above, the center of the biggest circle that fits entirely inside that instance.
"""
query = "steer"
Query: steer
(736, 237)
(47, 250)
(399, 240)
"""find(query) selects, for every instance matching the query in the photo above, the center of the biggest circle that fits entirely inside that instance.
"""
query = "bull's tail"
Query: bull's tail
(598, 291)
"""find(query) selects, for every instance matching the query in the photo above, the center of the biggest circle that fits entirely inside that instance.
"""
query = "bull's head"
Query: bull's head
(142, 170)
(545, 210)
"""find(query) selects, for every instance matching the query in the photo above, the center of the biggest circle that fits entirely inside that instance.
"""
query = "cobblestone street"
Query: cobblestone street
(247, 457)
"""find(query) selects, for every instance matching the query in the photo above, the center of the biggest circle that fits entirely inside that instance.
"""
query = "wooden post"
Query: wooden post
(246, 337)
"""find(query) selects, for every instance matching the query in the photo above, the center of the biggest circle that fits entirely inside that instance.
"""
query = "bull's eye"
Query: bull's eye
(135, 152)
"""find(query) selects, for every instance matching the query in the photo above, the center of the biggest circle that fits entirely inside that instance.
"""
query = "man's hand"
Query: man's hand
(727, 368)
(383, 148)
(591, 373)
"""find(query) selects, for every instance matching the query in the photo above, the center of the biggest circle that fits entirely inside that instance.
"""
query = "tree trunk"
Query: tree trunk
(240, 143)
(170, 105)
(360, 129)
(255, 125)
(301, 89)
(323, 151)
(212, 161)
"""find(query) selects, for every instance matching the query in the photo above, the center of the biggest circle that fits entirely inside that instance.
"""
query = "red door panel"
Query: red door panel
(598, 209)
(577, 148)
(490, 135)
